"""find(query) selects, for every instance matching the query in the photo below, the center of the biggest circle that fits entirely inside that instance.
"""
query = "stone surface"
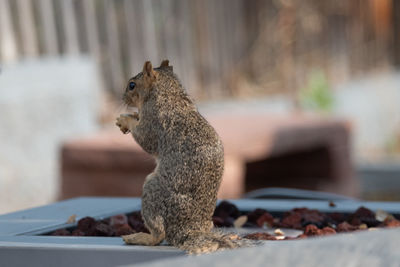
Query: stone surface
(373, 248)
(19, 246)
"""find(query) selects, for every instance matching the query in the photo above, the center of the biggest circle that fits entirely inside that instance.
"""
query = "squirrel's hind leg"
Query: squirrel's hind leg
(151, 215)
(157, 234)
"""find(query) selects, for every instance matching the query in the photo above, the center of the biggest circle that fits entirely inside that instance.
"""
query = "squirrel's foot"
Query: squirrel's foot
(143, 239)
(127, 122)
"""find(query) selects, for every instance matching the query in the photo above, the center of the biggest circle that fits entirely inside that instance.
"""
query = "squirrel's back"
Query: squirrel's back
(180, 196)
(185, 138)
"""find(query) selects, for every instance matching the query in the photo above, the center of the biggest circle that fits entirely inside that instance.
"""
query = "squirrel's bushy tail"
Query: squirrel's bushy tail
(212, 241)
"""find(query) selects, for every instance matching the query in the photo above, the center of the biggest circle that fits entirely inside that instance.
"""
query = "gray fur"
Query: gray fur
(179, 197)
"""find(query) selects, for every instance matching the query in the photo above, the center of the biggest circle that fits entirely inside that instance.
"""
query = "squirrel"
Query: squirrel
(180, 195)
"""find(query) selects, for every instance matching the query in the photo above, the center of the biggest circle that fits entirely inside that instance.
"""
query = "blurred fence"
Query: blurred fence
(219, 48)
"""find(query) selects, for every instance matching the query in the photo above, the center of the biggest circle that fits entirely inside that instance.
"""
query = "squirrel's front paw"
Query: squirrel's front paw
(127, 122)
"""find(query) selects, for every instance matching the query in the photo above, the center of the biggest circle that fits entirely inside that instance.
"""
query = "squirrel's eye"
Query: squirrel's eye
(132, 85)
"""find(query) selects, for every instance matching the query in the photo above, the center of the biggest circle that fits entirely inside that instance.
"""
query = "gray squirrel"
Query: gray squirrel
(180, 195)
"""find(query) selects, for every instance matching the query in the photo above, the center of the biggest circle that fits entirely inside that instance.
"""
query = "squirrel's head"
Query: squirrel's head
(140, 86)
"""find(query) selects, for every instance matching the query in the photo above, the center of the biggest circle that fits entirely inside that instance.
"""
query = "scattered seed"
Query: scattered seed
(72, 218)
(382, 215)
(234, 237)
(279, 232)
(240, 221)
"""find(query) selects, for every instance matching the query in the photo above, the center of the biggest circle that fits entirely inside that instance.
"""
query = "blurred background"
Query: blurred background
(319, 80)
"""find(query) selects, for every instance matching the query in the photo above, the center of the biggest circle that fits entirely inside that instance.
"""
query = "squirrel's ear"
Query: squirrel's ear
(148, 71)
(164, 63)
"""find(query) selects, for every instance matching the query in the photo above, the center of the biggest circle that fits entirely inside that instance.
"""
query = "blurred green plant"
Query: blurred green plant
(317, 95)
(392, 146)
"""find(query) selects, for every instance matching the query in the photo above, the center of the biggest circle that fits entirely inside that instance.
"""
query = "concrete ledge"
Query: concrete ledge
(375, 248)
(21, 245)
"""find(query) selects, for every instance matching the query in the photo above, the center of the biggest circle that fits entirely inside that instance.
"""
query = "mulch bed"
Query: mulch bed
(311, 222)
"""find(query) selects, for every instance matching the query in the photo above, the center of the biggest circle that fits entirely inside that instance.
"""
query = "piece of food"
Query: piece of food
(72, 218)
(240, 221)
(279, 232)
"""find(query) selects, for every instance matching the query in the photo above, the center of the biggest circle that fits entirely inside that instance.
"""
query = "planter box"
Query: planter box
(267, 150)
(380, 181)
(21, 242)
